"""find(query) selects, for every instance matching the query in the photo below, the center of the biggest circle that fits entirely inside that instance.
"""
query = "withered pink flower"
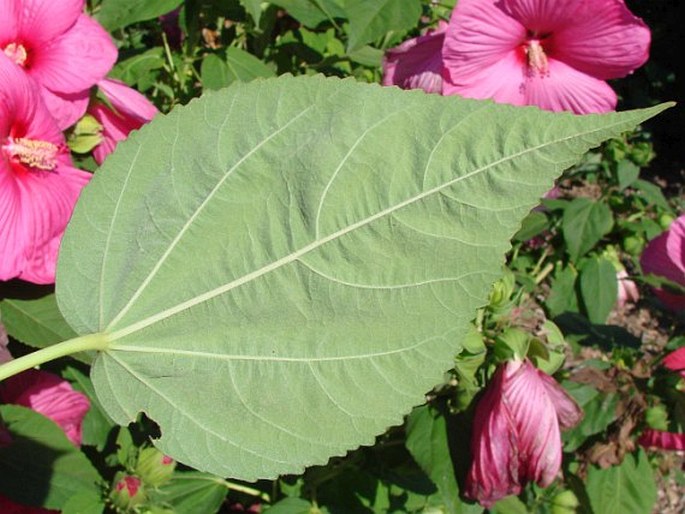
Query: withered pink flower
(675, 361)
(627, 289)
(62, 49)
(516, 432)
(416, 63)
(665, 256)
(38, 184)
(131, 111)
(662, 440)
(50, 396)
(556, 55)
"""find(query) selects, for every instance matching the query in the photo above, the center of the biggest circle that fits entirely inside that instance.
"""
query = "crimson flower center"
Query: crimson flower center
(34, 153)
(17, 53)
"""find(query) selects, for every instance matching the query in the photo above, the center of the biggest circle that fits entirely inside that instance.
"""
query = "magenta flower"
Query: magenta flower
(62, 49)
(132, 111)
(7, 506)
(49, 395)
(664, 256)
(38, 185)
(675, 361)
(516, 435)
(553, 54)
(416, 63)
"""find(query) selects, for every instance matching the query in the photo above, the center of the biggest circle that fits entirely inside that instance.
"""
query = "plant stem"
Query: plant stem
(78, 344)
(247, 490)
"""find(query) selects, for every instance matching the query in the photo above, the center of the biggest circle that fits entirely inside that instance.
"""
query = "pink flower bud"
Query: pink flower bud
(516, 435)
(127, 492)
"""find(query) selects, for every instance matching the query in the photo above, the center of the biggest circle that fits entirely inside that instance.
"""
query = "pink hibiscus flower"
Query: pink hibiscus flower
(516, 435)
(627, 289)
(665, 256)
(553, 54)
(38, 185)
(416, 63)
(132, 111)
(62, 49)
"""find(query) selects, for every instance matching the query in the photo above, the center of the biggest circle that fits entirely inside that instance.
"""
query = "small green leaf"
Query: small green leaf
(599, 410)
(41, 467)
(254, 9)
(190, 492)
(598, 288)
(239, 65)
(291, 506)
(627, 172)
(562, 296)
(311, 12)
(585, 222)
(535, 223)
(625, 489)
(115, 14)
(140, 69)
(652, 193)
(372, 19)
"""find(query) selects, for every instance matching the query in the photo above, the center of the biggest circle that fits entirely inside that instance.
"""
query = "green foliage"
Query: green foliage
(190, 492)
(115, 14)
(585, 222)
(625, 489)
(599, 288)
(40, 466)
(298, 214)
(371, 19)
(236, 65)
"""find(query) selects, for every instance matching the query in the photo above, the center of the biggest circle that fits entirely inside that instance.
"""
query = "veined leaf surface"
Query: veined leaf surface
(284, 268)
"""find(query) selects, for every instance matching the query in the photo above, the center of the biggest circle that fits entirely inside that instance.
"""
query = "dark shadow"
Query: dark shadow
(20, 290)
(606, 337)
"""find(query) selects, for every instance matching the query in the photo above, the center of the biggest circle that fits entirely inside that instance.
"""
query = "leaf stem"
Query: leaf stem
(247, 490)
(97, 341)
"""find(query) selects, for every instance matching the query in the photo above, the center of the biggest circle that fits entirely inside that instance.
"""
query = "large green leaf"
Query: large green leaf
(191, 491)
(311, 12)
(283, 268)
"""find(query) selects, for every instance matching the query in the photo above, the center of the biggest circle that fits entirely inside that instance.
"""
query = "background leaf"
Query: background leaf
(311, 12)
(372, 19)
(625, 489)
(41, 467)
(115, 14)
(585, 222)
(302, 255)
(239, 65)
(190, 492)
(599, 288)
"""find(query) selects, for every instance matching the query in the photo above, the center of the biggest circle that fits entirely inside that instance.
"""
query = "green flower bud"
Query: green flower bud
(633, 245)
(565, 503)
(153, 467)
(127, 492)
(665, 220)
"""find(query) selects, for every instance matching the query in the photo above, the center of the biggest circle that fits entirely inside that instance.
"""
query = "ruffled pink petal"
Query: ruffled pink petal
(541, 16)
(566, 89)
(675, 246)
(44, 20)
(603, 39)
(76, 60)
(115, 128)
(568, 411)
(9, 26)
(51, 396)
(675, 361)
(655, 259)
(535, 419)
(494, 471)
(627, 289)
(651, 438)
(66, 108)
(503, 81)
(416, 63)
(479, 35)
(128, 102)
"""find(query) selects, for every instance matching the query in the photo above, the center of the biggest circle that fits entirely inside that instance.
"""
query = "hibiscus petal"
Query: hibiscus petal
(535, 419)
(51, 396)
(11, 12)
(494, 446)
(503, 81)
(127, 101)
(604, 39)
(416, 63)
(44, 20)
(568, 412)
(656, 258)
(675, 246)
(651, 438)
(76, 60)
(66, 108)
(675, 361)
(478, 36)
(566, 89)
(541, 16)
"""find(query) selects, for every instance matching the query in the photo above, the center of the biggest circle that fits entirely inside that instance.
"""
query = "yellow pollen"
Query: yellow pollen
(537, 60)
(34, 153)
(17, 53)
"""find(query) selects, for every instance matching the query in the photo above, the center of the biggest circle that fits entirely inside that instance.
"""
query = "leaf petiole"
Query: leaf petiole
(98, 342)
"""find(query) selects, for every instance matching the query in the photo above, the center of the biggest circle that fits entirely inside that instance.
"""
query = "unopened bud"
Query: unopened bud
(153, 467)
(127, 492)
